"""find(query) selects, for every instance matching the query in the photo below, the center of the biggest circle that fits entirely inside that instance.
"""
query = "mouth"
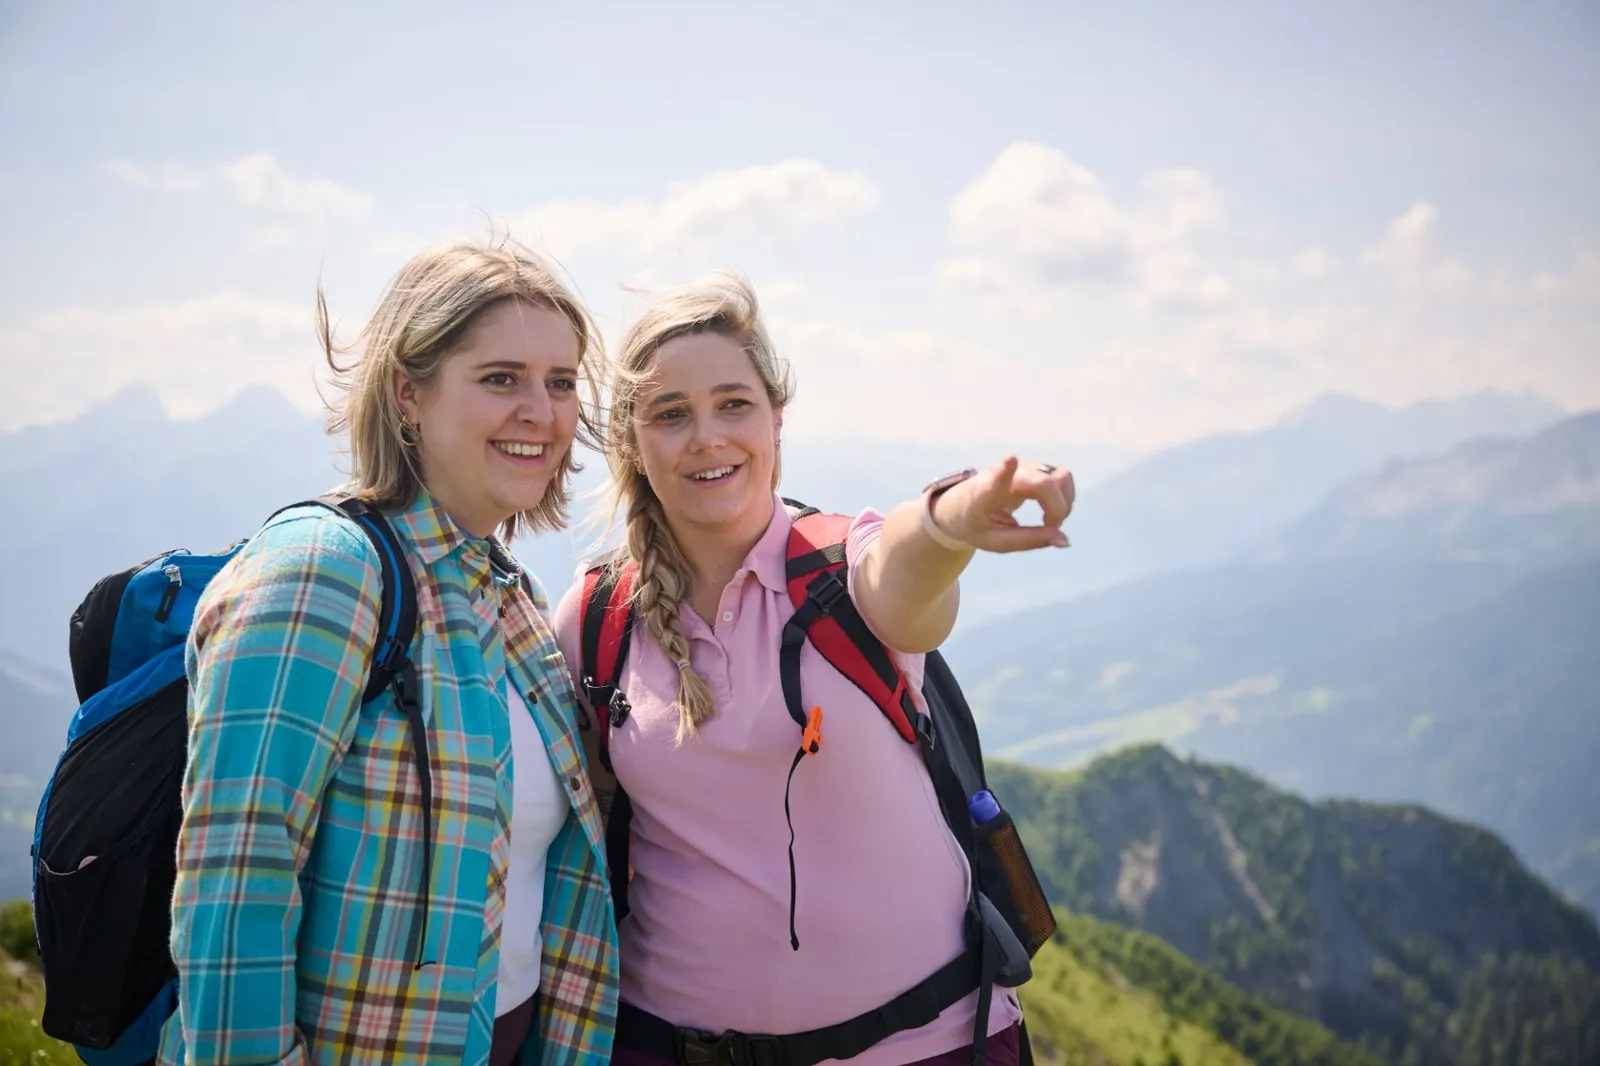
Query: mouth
(522, 451)
(715, 475)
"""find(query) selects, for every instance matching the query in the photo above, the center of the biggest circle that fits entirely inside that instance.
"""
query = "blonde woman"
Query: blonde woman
(342, 897)
(726, 944)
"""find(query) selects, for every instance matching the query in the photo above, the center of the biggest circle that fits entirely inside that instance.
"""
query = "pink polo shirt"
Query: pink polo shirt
(881, 881)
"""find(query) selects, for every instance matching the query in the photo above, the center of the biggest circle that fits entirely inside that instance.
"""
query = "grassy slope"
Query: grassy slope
(21, 1001)
(1081, 1014)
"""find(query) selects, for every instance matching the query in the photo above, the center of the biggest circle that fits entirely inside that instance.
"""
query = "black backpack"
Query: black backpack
(1007, 917)
(105, 841)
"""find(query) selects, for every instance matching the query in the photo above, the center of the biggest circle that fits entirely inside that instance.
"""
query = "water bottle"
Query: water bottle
(1008, 876)
(983, 806)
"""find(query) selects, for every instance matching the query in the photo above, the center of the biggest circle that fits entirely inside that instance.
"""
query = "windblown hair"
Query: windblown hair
(429, 310)
(724, 304)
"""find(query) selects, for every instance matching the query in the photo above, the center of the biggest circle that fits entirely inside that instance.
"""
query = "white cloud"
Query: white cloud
(1037, 226)
(257, 181)
(1409, 256)
(1314, 262)
(195, 354)
(168, 177)
(775, 199)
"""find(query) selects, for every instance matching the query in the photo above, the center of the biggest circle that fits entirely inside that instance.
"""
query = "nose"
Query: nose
(707, 435)
(533, 404)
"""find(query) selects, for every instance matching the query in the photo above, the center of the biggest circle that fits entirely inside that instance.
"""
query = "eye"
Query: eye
(671, 414)
(500, 379)
(564, 384)
(736, 404)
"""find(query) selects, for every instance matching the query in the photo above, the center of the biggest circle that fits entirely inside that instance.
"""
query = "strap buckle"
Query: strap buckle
(699, 1048)
(393, 654)
(826, 590)
(618, 708)
(609, 697)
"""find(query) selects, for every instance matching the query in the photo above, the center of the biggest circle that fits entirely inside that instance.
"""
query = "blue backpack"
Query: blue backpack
(105, 841)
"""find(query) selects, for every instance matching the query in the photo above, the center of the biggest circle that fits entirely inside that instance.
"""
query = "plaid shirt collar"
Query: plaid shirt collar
(434, 535)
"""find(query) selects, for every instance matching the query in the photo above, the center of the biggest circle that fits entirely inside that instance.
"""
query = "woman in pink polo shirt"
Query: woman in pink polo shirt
(718, 939)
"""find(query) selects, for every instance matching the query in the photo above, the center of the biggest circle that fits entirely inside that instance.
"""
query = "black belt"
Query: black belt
(639, 1030)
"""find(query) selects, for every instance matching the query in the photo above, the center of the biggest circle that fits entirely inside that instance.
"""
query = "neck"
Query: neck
(473, 524)
(715, 554)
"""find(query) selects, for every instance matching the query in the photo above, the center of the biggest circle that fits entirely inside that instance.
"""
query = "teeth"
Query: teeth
(516, 448)
(712, 475)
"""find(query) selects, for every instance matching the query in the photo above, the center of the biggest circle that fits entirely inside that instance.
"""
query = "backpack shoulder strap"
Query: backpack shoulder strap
(606, 613)
(392, 667)
(605, 610)
(397, 615)
(397, 611)
(827, 617)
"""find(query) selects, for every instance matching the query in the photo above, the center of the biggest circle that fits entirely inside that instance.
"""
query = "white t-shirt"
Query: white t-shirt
(538, 811)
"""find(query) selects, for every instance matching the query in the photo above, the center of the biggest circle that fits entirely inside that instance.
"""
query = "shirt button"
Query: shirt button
(727, 616)
(576, 782)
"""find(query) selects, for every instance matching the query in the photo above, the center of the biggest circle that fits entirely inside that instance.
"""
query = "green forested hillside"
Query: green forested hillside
(1392, 926)
(1083, 1009)
(1209, 918)
(1471, 686)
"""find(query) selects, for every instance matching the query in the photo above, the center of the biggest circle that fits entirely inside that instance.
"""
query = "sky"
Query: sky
(1044, 226)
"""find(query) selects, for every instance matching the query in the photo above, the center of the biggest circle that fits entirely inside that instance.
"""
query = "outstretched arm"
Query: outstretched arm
(906, 587)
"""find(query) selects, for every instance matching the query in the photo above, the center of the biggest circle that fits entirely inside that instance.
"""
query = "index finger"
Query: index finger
(1052, 488)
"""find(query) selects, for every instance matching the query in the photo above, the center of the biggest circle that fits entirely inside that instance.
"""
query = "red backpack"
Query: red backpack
(1007, 917)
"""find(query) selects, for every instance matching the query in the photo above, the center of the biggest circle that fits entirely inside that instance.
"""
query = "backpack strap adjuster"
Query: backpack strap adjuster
(618, 708)
(392, 656)
(826, 590)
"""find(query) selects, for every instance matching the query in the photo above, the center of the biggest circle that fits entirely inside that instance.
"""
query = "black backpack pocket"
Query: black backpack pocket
(105, 870)
(1011, 884)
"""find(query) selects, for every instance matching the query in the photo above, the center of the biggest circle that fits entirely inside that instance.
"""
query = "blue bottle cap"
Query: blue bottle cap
(983, 806)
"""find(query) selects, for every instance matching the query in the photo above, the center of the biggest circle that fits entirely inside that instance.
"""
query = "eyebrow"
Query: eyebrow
(678, 397)
(512, 364)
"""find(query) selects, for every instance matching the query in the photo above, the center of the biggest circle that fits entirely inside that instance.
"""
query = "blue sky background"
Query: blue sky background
(1104, 226)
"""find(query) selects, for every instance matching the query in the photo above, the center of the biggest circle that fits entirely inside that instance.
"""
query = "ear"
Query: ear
(405, 395)
(777, 420)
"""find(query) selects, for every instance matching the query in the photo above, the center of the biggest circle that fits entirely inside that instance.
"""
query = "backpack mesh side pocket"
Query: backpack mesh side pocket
(1004, 866)
(106, 864)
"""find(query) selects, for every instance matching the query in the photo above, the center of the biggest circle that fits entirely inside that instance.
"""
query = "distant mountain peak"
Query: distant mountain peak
(256, 404)
(1524, 410)
(1333, 408)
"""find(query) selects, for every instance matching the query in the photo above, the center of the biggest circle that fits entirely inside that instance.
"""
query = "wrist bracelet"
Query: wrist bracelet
(931, 528)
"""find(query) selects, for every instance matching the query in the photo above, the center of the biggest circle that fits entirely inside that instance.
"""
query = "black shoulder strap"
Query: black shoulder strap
(397, 610)
(397, 616)
(606, 632)
(392, 667)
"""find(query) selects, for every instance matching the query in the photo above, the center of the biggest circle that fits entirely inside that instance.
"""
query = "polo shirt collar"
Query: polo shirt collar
(769, 559)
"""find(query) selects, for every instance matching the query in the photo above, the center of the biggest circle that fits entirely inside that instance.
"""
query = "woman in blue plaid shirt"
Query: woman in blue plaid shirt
(302, 930)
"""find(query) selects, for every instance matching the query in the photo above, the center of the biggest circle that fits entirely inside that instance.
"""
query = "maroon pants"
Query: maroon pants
(510, 1031)
(1001, 1050)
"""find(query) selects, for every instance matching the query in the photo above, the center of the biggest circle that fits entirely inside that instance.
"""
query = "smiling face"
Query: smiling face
(708, 438)
(498, 417)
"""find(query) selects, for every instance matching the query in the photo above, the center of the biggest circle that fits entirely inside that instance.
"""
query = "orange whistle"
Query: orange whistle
(811, 738)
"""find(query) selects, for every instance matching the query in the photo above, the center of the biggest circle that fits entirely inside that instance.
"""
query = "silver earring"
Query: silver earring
(410, 432)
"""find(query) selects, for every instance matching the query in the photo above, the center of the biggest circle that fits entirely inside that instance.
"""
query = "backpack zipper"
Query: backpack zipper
(170, 597)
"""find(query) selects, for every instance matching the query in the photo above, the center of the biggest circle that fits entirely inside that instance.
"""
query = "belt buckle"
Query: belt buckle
(699, 1048)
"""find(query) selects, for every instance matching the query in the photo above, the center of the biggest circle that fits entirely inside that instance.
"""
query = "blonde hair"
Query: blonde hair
(428, 311)
(724, 304)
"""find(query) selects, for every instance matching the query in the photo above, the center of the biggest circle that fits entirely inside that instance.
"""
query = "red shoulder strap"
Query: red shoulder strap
(825, 615)
(607, 625)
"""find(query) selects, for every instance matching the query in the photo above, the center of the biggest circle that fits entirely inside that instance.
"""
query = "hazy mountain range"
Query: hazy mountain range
(1427, 634)
(123, 482)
